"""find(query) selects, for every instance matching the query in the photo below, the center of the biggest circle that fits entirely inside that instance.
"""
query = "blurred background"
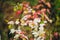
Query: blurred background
(7, 5)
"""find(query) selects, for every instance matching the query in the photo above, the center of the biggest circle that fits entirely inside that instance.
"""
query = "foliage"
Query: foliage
(56, 4)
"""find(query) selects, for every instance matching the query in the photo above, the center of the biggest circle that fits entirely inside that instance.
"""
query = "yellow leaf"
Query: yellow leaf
(9, 26)
(24, 39)
(6, 20)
